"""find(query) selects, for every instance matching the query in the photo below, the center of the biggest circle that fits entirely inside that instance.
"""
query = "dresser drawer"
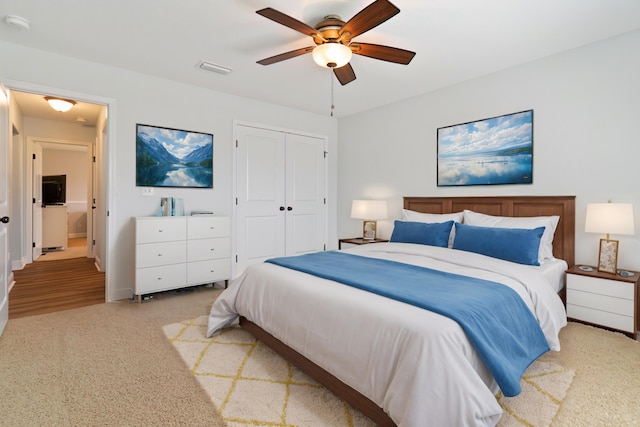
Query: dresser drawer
(160, 229)
(612, 288)
(206, 227)
(155, 254)
(156, 279)
(203, 249)
(599, 317)
(208, 271)
(601, 302)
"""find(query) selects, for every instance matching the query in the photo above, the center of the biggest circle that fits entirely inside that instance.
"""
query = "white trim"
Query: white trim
(28, 208)
(18, 265)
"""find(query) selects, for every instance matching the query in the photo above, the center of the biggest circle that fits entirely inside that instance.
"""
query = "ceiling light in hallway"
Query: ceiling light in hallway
(60, 104)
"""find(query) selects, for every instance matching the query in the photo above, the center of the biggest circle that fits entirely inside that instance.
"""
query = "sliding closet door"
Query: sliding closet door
(280, 195)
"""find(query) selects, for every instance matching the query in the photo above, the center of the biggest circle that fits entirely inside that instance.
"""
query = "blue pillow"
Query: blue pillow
(423, 233)
(512, 244)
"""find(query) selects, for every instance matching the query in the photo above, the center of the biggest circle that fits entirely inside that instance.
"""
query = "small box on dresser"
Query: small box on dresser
(603, 299)
(179, 251)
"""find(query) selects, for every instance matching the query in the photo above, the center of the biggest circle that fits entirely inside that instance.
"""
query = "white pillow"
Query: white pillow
(545, 253)
(414, 216)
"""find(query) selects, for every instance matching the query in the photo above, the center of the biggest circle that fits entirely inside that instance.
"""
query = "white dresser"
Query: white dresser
(54, 227)
(178, 251)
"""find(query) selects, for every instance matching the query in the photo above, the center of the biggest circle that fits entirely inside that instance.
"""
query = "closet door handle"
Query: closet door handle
(5, 219)
(281, 208)
(289, 208)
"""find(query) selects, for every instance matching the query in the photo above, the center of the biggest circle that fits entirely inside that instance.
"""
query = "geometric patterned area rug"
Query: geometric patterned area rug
(251, 385)
(544, 387)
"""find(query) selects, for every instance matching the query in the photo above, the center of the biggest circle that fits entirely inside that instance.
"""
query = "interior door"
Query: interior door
(260, 204)
(91, 246)
(4, 207)
(305, 194)
(280, 191)
(91, 198)
(36, 205)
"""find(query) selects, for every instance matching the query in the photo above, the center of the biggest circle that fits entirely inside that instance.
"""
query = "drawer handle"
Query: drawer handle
(212, 249)
(160, 231)
(212, 271)
(159, 254)
(211, 228)
(159, 278)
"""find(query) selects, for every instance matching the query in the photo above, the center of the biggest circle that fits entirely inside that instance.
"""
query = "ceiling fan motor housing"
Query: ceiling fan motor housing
(329, 30)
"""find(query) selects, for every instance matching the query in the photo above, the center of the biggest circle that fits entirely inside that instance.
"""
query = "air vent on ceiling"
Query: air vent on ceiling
(209, 66)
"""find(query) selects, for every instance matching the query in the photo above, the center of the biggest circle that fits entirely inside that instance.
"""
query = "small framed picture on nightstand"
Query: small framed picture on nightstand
(369, 230)
(608, 256)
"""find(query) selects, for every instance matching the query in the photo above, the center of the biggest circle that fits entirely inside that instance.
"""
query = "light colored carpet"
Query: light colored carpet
(252, 385)
(103, 365)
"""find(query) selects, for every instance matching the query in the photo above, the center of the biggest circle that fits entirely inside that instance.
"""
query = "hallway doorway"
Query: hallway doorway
(72, 276)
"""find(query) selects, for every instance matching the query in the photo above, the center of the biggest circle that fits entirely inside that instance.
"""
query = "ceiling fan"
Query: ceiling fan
(333, 39)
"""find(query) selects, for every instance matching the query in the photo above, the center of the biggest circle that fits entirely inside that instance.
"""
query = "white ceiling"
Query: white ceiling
(454, 40)
(34, 105)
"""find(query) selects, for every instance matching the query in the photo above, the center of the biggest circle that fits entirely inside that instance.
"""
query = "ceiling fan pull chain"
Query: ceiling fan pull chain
(332, 106)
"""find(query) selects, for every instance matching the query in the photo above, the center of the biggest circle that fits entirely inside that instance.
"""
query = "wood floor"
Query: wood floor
(46, 287)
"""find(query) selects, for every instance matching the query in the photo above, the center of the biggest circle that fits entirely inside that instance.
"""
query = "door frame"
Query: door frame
(5, 203)
(107, 165)
(31, 141)
(234, 205)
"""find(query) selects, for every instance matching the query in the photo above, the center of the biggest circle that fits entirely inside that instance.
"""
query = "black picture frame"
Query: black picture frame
(168, 157)
(493, 151)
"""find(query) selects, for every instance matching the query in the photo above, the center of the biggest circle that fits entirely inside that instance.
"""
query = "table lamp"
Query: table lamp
(609, 218)
(369, 211)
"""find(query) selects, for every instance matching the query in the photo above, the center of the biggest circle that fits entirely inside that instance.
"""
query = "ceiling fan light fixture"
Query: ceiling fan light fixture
(60, 104)
(331, 55)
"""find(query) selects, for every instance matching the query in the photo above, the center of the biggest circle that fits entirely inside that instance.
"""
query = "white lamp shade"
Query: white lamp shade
(369, 209)
(609, 218)
(331, 55)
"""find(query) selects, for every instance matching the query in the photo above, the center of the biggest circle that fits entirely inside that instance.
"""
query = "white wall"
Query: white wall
(140, 98)
(74, 164)
(586, 138)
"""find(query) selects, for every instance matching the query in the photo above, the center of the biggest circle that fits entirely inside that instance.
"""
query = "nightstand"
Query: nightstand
(358, 241)
(603, 299)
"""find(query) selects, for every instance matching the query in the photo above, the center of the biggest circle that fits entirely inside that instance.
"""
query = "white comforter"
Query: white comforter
(417, 365)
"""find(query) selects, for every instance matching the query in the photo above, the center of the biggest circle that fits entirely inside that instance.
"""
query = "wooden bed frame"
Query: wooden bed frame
(519, 206)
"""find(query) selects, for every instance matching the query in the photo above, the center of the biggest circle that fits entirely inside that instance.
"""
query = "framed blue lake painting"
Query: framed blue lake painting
(493, 151)
(168, 157)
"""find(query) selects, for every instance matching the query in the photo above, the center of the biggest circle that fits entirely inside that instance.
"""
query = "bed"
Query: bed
(398, 363)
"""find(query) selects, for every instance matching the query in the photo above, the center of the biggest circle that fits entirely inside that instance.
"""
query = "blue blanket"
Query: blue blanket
(496, 320)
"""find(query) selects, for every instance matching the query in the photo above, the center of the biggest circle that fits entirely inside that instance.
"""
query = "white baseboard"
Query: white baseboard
(98, 263)
(19, 264)
(75, 235)
(11, 281)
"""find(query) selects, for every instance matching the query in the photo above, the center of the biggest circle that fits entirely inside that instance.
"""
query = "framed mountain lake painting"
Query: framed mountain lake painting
(168, 157)
(493, 151)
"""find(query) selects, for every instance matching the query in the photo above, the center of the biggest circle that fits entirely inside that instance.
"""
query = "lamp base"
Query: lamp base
(608, 256)
(369, 230)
